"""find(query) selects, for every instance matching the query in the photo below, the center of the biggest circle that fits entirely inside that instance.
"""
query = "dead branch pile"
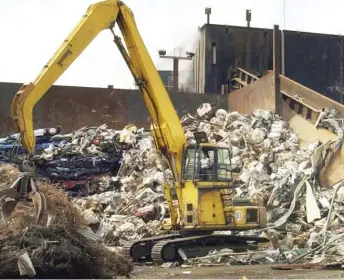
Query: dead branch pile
(59, 251)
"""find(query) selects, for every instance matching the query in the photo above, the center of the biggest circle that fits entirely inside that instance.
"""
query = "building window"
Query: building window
(213, 53)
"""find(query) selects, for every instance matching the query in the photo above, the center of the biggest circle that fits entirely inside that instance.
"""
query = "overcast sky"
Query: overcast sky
(32, 30)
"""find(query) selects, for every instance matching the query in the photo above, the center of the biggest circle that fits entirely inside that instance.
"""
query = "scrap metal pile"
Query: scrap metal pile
(10, 146)
(131, 207)
(86, 152)
(273, 170)
(80, 155)
(305, 219)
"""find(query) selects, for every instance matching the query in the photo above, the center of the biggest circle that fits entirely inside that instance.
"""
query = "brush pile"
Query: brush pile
(67, 249)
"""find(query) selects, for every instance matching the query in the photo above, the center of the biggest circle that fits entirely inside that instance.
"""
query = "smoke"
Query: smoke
(186, 83)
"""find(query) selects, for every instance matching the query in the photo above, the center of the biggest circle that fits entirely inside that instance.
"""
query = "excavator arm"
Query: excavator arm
(166, 127)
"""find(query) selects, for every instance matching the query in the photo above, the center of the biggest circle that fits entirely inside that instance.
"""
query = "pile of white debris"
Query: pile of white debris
(130, 210)
(274, 171)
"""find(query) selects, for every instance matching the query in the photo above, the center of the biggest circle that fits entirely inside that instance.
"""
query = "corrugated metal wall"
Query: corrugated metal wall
(316, 61)
(75, 107)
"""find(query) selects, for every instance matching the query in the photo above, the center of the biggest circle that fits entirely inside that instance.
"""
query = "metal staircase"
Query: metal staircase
(241, 78)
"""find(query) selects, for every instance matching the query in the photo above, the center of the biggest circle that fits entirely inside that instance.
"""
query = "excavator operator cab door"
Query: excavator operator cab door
(207, 163)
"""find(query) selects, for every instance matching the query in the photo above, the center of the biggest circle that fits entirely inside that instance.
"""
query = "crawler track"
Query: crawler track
(141, 249)
(198, 246)
(173, 247)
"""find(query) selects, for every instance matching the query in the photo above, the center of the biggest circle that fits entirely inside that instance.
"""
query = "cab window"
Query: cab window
(223, 165)
(189, 164)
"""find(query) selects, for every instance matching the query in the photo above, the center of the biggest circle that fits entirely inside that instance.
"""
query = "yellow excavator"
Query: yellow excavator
(199, 198)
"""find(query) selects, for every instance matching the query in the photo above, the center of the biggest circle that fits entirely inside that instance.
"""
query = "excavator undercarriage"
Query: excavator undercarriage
(180, 247)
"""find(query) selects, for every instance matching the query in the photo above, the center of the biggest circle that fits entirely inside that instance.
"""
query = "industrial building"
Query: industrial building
(312, 59)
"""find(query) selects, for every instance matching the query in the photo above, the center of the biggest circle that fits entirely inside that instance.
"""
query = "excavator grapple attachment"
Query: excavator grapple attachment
(24, 189)
(7, 203)
(42, 205)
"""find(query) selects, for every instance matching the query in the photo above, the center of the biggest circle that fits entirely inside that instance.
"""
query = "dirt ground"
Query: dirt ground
(233, 272)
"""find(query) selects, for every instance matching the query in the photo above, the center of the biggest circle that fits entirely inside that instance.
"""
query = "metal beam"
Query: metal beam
(177, 57)
(282, 53)
(341, 71)
(175, 74)
(277, 69)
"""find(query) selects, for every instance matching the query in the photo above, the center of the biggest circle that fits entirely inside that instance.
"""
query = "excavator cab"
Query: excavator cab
(208, 164)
